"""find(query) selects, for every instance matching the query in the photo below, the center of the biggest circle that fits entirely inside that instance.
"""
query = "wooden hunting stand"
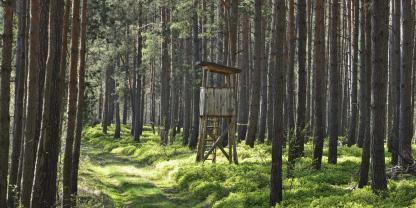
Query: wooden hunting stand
(217, 105)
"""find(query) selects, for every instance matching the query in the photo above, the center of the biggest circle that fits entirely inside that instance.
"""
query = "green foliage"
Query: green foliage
(151, 175)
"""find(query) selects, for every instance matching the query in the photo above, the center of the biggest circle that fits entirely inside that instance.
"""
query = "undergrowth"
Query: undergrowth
(147, 174)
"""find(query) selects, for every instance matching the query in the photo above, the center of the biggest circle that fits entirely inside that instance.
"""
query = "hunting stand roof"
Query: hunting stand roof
(218, 68)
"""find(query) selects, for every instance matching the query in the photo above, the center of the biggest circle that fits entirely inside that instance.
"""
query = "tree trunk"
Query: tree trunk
(142, 101)
(263, 80)
(153, 97)
(100, 103)
(6, 70)
(44, 23)
(137, 97)
(174, 86)
(187, 85)
(243, 95)
(362, 80)
(347, 56)
(117, 130)
(127, 76)
(353, 121)
(25, 92)
(105, 117)
(291, 71)
(14, 184)
(296, 147)
(133, 86)
(80, 110)
(333, 86)
(277, 141)
(365, 157)
(255, 79)
(45, 181)
(393, 140)
(72, 105)
(319, 83)
(32, 104)
(271, 71)
(62, 69)
(406, 116)
(195, 94)
(165, 78)
(309, 88)
(379, 90)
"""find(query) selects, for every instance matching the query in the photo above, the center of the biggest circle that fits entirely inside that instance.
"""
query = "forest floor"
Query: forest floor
(122, 173)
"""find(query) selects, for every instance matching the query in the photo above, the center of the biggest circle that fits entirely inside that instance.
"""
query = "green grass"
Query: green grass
(122, 173)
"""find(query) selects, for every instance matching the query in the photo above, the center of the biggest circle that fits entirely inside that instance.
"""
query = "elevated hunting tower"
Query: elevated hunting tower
(217, 113)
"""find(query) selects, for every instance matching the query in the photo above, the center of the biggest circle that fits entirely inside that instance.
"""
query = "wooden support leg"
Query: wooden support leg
(201, 140)
(233, 140)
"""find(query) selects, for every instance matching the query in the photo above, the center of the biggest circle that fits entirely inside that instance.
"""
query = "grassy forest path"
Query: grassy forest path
(126, 182)
(117, 180)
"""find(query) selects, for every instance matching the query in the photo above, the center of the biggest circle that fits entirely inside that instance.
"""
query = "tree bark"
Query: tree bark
(296, 148)
(6, 70)
(195, 94)
(291, 71)
(105, 116)
(245, 66)
(187, 83)
(43, 27)
(319, 84)
(263, 81)
(138, 94)
(347, 57)
(117, 130)
(333, 86)
(127, 76)
(393, 140)
(64, 54)
(277, 142)
(362, 80)
(354, 113)
(32, 104)
(309, 85)
(380, 11)
(406, 117)
(14, 184)
(365, 157)
(165, 77)
(72, 105)
(153, 97)
(80, 107)
(45, 181)
(255, 79)
(270, 72)
(142, 102)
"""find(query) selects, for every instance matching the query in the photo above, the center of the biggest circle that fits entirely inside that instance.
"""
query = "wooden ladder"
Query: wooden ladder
(213, 129)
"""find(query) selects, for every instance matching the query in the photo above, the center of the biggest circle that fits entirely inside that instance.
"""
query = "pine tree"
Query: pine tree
(380, 11)
(44, 189)
(6, 70)
(319, 84)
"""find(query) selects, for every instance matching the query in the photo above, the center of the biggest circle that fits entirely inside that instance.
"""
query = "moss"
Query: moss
(147, 174)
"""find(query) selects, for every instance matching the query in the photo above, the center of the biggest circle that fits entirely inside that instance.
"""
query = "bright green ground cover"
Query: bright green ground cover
(122, 173)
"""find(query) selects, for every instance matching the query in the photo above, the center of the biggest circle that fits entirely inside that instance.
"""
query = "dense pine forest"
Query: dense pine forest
(207, 103)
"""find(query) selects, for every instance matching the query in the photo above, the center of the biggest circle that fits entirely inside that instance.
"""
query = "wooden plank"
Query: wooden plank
(218, 68)
(224, 152)
(201, 139)
(219, 140)
(217, 102)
